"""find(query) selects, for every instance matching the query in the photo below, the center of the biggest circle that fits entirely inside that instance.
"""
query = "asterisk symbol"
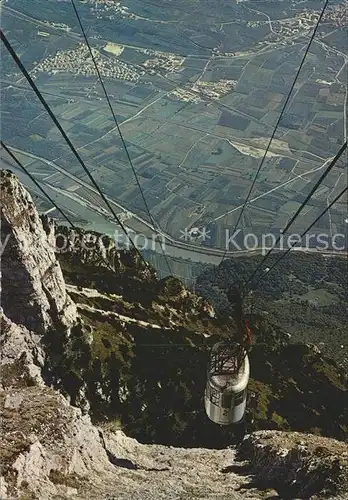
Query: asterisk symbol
(186, 234)
(204, 234)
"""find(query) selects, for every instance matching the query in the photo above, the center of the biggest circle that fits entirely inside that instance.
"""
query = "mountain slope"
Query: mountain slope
(305, 296)
(117, 357)
(152, 340)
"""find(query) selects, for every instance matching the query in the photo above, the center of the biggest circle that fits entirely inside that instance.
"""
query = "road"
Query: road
(345, 63)
(82, 183)
(263, 14)
(252, 200)
(328, 200)
(113, 129)
(247, 141)
(33, 20)
(173, 248)
(147, 226)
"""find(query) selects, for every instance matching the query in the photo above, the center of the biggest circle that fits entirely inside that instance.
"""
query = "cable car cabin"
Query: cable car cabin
(227, 380)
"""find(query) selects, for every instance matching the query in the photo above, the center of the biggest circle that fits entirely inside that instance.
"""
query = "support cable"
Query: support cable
(32, 178)
(304, 232)
(155, 225)
(66, 138)
(279, 119)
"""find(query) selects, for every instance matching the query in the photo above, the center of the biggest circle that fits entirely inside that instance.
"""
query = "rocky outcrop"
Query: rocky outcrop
(297, 465)
(22, 355)
(51, 451)
(33, 289)
(94, 249)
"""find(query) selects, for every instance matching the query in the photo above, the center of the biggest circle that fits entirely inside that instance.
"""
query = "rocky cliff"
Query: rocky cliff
(50, 449)
(33, 288)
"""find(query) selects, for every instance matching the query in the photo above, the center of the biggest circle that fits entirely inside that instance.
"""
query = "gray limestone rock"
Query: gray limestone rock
(33, 289)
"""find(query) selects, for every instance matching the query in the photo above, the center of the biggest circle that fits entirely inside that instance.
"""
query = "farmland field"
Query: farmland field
(197, 92)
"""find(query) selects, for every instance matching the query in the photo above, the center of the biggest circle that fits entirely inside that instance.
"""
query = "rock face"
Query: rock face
(297, 465)
(33, 288)
(51, 451)
(22, 355)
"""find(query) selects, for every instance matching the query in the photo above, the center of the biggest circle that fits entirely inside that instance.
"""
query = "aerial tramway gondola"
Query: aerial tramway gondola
(228, 370)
